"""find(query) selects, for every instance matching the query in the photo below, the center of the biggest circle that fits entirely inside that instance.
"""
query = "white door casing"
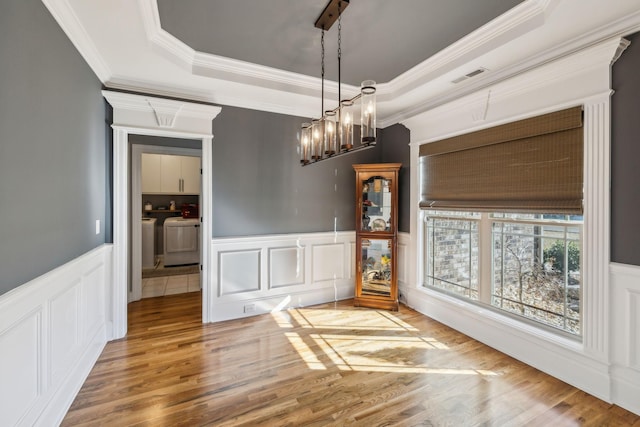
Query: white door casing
(147, 115)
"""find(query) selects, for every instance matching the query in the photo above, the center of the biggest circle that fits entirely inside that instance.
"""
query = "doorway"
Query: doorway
(166, 236)
(147, 115)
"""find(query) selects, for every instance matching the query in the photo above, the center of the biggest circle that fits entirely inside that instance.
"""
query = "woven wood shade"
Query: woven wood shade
(532, 165)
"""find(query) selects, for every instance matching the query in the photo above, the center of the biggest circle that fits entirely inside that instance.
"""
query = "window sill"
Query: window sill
(505, 322)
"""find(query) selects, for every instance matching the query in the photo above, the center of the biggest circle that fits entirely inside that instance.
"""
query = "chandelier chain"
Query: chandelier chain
(339, 49)
(322, 73)
(339, 33)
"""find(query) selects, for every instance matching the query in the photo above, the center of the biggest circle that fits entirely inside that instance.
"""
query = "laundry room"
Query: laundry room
(169, 198)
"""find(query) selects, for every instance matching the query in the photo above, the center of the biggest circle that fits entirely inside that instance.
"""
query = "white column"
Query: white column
(120, 285)
(207, 226)
(595, 256)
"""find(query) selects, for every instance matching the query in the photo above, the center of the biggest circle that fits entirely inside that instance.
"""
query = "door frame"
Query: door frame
(152, 116)
(135, 292)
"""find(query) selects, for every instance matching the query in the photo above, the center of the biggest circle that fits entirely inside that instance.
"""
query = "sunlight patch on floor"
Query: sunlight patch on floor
(389, 345)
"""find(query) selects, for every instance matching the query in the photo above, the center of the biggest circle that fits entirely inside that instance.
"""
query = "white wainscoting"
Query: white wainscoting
(625, 336)
(52, 330)
(259, 274)
(404, 246)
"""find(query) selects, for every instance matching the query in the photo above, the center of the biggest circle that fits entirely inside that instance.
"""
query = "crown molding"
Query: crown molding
(67, 19)
(514, 23)
(242, 99)
(164, 43)
(521, 19)
(215, 66)
(579, 75)
(130, 107)
(620, 28)
(208, 78)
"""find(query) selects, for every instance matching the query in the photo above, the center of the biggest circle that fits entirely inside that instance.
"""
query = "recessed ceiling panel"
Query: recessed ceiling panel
(381, 39)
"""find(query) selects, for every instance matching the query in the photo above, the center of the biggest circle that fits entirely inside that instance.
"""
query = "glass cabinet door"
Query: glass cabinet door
(376, 204)
(376, 265)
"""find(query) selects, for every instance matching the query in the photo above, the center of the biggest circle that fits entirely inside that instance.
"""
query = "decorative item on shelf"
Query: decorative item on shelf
(332, 134)
(379, 224)
(172, 205)
(190, 210)
(148, 206)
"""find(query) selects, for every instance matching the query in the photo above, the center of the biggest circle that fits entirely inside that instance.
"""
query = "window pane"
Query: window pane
(536, 272)
(452, 254)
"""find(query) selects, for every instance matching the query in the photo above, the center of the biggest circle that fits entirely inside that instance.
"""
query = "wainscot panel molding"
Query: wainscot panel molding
(403, 266)
(260, 274)
(625, 335)
(598, 362)
(52, 330)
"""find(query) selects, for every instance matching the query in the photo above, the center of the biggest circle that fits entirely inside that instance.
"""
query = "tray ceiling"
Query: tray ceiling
(381, 39)
(265, 54)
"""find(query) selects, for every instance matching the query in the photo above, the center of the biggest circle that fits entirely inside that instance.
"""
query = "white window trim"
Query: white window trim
(486, 272)
(579, 79)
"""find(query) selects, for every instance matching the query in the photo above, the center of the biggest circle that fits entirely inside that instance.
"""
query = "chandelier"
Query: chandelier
(332, 134)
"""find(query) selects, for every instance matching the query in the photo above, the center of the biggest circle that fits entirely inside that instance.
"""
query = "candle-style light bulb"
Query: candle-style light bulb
(368, 112)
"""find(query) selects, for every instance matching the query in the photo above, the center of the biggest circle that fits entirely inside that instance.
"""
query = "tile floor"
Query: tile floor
(169, 285)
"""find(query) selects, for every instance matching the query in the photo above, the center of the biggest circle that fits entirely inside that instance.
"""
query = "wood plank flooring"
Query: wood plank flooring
(327, 365)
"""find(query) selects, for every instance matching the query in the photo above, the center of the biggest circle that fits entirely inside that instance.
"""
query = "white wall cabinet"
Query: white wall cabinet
(190, 174)
(169, 174)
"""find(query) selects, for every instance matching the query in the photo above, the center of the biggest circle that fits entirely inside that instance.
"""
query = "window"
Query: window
(525, 263)
(532, 263)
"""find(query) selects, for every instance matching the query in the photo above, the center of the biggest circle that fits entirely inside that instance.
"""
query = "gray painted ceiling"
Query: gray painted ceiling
(381, 39)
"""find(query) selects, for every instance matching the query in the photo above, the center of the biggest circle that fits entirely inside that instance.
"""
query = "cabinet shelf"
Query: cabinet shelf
(167, 211)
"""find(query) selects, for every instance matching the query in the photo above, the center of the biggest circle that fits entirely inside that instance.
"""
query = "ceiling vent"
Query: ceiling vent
(469, 75)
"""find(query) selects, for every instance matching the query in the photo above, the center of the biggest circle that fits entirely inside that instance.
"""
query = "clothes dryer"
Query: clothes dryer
(181, 241)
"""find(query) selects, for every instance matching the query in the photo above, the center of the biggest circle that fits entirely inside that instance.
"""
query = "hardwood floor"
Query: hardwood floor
(331, 364)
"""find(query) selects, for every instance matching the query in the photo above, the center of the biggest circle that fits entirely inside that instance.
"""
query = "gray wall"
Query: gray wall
(395, 149)
(625, 156)
(259, 186)
(52, 146)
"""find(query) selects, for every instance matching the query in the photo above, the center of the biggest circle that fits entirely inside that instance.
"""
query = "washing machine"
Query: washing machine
(181, 241)
(148, 242)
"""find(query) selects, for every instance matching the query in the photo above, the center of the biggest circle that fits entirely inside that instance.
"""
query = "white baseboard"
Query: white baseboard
(616, 382)
(52, 330)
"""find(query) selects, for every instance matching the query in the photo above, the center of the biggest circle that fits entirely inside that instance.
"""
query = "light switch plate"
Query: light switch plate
(97, 226)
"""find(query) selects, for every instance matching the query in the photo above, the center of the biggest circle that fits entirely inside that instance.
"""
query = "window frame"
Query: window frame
(486, 266)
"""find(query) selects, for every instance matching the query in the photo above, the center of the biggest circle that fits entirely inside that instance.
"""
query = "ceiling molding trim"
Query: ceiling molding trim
(209, 65)
(512, 24)
(163, 41)
(620, 28)
(579, 74)
(130, 108)
(67, 19)
(307, 107)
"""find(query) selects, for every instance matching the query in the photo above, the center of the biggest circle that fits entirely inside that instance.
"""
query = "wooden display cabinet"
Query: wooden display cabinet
(377, 235)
